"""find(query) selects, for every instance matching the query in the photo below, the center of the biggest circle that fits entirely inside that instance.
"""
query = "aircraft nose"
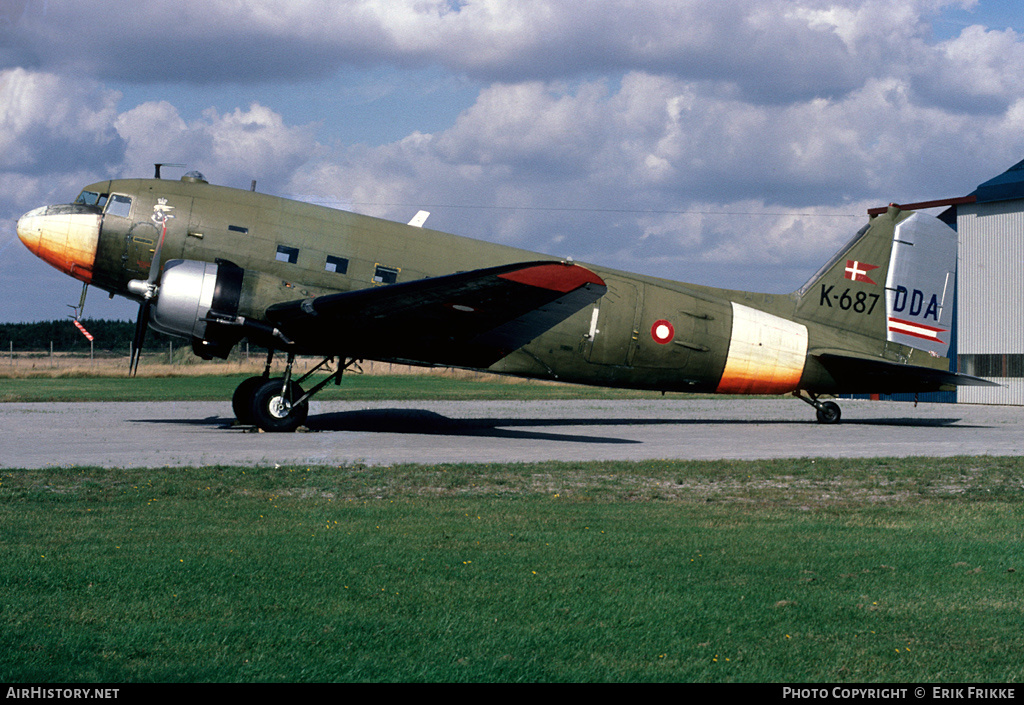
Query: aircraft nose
(28, 233)
(64, 237)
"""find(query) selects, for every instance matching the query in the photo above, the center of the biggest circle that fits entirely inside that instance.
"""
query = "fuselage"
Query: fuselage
(645, 332)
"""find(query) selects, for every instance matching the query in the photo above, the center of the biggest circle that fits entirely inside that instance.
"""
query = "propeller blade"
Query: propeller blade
(148, 290)
(154, 266)
(141, 324)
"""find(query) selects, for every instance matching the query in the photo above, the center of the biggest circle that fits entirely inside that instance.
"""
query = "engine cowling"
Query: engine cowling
(199, 301)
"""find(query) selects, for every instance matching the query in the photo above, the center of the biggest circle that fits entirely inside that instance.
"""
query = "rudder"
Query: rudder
(919, 285)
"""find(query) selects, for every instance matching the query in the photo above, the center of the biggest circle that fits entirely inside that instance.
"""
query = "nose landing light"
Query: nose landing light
(63, 236)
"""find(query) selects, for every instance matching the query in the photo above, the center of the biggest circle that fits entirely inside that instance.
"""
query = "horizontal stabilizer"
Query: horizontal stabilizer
(863, 375)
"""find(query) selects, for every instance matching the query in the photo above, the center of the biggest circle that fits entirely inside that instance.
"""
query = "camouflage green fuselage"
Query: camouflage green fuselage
(644, 332)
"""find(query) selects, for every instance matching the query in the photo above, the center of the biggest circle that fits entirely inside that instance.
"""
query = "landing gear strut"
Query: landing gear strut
(828, 412)
(279, 404)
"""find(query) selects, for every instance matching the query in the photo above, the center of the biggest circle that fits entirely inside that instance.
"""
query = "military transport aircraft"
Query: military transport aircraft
(215, 264)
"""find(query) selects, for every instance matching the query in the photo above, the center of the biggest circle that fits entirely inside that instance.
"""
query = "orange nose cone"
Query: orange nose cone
(65, 239)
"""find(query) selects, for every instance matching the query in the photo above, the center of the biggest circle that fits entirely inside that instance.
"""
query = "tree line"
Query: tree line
(112, 336)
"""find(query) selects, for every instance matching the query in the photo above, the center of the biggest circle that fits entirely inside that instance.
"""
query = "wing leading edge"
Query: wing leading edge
(470, 319)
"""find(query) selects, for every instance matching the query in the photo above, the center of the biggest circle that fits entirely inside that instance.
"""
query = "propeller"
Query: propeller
(148, 289)
(141, 324)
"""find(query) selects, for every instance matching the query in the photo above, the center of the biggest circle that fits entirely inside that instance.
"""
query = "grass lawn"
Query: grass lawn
(353, 388)
(799, 571)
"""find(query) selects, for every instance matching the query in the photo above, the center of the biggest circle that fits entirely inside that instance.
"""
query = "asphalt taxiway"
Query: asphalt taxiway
(385, 433)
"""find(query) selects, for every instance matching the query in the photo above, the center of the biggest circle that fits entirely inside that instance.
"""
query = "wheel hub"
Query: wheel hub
(279, 407)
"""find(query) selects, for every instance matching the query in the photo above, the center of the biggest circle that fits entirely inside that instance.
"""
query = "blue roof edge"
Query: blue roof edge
(1006, 187)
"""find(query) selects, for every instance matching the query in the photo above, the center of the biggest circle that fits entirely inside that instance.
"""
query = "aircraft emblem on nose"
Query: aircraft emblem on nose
(162, 211)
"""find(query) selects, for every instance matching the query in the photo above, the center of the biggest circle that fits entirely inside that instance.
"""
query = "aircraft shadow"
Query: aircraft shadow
(431, 423)
(421, 422)
(910, 422)
(425, 423)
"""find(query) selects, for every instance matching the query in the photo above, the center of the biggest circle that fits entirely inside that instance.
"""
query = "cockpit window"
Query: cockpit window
(91, 198)
(119, 205)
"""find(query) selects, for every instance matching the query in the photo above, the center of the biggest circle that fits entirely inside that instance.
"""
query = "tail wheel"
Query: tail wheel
(273, 412)
(241, 400)
(829, 412)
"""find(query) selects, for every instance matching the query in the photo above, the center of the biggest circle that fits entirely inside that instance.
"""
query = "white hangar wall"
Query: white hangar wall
(990, 299)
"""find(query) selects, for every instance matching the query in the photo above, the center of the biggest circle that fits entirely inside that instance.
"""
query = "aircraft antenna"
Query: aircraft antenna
(156, 175)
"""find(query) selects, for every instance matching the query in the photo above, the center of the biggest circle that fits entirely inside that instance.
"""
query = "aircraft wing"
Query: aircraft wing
(857, 374)
(468, 319)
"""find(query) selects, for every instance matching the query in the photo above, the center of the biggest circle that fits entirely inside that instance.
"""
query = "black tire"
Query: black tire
(241, 400)
(829, 412)
(269, 411)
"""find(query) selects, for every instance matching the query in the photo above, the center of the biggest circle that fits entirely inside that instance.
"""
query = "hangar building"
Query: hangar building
(990, 289)
(988, 324)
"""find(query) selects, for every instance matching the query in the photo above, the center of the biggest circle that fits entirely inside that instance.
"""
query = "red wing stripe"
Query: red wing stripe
(556, 277)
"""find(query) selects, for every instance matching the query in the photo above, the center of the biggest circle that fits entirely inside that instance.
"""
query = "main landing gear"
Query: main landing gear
(279, 404)
(827, 411)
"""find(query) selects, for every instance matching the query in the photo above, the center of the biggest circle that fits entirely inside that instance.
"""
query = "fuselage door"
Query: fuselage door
(612, 338)
(119, 214)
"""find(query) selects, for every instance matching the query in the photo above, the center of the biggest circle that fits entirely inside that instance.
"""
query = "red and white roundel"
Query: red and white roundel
(662, 331)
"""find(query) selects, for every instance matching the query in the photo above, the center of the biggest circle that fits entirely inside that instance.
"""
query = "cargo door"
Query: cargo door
(613, 324)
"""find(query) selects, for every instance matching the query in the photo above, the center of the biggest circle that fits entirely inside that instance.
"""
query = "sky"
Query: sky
(734, 143)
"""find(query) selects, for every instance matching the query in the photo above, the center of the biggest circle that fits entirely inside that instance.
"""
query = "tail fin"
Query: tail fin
(893, 282)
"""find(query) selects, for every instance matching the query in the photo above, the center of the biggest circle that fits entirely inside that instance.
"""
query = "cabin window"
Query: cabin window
(287, 254)
(119, 205)
(386, 275)
(238, 229)
(338, 265)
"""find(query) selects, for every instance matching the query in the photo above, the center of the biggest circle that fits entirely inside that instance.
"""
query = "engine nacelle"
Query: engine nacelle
(199, 300)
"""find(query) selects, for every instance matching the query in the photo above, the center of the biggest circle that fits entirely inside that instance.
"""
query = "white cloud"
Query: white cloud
(649, 169)
(976, 72)
(774, 49)
(684, 139)
(239, 146)
(48, 123)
